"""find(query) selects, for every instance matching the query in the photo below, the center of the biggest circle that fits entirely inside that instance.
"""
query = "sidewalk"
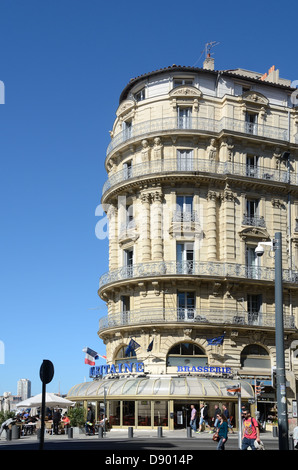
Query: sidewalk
(137, 433)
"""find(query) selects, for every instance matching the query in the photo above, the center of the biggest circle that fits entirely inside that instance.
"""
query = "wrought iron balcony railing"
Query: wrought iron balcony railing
(199, 166)
(198, 316)
(256, 221)
(194, 268)
(197, 124)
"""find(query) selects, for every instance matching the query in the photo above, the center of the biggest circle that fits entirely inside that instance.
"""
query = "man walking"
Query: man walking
(251, 431)
(193, 418)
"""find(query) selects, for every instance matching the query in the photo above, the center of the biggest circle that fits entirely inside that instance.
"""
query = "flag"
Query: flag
(131, 347)
(90, 357)
(215, 341)
(104, 357)
(150, 346)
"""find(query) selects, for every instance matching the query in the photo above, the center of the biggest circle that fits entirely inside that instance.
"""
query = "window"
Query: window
(255, 356)
(128, 262)
(252, 165)
(127, 170)
(186, 305)
(140, 95)
(182, 81)
(184, 118)
(125, 308)
(185, 258)
(251, 123)
(184, 208)
(187, 354)
(254, 307)
(252, 208)
(184, 160)
(127, 130)
(252, 262)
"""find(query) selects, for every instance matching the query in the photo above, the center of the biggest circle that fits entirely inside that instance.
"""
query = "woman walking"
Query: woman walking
(223, 429)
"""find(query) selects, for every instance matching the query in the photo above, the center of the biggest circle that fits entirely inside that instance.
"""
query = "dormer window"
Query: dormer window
(182, 81)
(140, 95)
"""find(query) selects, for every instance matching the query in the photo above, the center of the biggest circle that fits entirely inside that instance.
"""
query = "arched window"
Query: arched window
(186, 354)
(255, 356)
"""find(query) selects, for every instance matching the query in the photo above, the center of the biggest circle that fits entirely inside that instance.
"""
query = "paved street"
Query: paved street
(117, 441)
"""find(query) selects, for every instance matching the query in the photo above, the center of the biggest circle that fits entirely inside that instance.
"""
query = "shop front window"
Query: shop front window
(144, 413)
(128, 413)
(161, 413)
(114, 415)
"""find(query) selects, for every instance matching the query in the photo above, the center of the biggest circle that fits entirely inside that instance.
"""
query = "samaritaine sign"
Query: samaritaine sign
(138, 367)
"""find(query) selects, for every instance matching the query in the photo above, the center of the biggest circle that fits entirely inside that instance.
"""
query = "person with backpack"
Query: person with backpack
(251, 431)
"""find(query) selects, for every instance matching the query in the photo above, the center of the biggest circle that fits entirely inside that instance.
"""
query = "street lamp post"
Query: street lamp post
(282, 413)
(280, 353)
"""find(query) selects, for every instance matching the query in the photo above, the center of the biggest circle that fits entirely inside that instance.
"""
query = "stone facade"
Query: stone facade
(202, 166)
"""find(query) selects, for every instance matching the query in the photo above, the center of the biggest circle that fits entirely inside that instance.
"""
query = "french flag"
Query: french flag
(90, 356)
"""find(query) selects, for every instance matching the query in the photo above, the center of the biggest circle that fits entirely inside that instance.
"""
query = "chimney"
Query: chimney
(208, 63)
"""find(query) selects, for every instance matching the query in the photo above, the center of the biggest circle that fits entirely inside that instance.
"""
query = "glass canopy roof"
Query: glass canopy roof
(161, 386)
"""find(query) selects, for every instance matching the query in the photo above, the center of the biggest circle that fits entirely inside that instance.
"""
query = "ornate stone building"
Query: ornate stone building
(202, 166)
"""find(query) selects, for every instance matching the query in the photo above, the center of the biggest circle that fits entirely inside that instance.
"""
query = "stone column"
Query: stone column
(211, 226)
(145, 227)
(228, 217)
(156, 226)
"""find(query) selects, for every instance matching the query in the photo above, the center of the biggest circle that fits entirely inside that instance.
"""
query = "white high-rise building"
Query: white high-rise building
(24, 389)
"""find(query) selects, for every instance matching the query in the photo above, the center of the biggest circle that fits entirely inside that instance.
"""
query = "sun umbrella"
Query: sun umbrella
(51, 400)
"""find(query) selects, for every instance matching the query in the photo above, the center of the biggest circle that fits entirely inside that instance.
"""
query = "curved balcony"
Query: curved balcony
(198, 166)
(195, 316)
(194, 268)
(200, 124)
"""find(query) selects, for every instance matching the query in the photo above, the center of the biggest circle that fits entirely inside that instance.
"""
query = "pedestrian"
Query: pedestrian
(227, 415)
(217, 411)
(203, 417)
(56, 420)
(251, 432)
(193, 418)
(89, 422)
(222, 427)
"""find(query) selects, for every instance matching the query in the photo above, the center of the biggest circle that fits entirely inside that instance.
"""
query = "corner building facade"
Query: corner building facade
(202, 166)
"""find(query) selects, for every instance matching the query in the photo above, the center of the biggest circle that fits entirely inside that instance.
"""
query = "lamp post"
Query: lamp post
(282, 413)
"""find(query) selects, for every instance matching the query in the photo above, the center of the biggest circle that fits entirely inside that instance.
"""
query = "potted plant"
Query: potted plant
(77, 419)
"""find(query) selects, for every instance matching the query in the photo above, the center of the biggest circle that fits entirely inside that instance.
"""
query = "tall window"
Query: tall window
(252, 165)
(251, 123)
(184, 118)
(125, 308)
(184, 160)
(252, 262)
(254, 308)
(127, 130)
(184, 208)
(127, 170)
(128, 262)
(185, 258)
(186, 305)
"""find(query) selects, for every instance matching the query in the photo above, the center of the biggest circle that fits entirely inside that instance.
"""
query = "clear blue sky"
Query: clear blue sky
(64, 64)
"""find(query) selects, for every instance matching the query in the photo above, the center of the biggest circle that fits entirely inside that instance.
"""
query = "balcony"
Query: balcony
(200, 124)
(195, 316)
(256, 221)
(197, 167)
(194, 268)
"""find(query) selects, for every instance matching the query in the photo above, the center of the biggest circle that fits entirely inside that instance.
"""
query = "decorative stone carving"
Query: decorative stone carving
(212, 150)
